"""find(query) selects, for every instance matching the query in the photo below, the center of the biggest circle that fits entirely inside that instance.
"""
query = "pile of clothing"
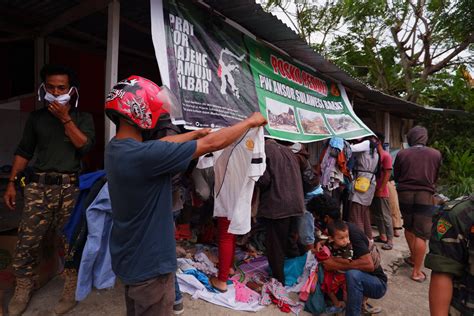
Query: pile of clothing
(251, 287)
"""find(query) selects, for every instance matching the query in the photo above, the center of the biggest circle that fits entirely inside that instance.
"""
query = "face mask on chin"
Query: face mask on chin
(62, 99)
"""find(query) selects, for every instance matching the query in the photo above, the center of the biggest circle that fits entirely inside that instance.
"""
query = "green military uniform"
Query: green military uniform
(452, 251)
(52, 189)
(44, 138)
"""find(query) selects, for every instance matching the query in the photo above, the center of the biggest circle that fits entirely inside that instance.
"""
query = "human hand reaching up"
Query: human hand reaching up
(256, 120)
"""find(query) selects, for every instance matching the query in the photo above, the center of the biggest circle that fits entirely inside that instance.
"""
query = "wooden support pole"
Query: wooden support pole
(111, 68)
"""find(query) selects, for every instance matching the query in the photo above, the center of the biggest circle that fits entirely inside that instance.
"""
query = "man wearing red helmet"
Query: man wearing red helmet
(142, 243)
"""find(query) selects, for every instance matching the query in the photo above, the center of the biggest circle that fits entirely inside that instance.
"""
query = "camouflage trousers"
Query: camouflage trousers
(46, 207)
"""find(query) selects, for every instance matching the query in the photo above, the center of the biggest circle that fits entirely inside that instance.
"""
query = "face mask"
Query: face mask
(62, 99)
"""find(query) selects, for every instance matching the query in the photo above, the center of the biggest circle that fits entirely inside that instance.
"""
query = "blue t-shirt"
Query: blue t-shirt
(142, 243)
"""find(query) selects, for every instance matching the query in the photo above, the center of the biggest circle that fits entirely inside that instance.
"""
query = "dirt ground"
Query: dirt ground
(404, 297)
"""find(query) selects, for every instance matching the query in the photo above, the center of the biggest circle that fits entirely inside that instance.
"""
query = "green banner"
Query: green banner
(220, 74)
(299, 105)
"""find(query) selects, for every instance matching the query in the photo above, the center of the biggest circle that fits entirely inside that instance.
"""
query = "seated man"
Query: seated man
(363, 277)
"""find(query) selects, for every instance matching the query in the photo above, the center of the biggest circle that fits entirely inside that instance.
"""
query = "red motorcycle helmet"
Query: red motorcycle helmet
(139, 101)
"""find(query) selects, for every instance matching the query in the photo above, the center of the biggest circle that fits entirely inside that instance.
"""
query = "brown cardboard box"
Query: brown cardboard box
(48, 261)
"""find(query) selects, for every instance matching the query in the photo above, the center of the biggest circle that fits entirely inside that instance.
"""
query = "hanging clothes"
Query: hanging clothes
(237, 170)
(203, 180)
(334, 164)
(76, 229)
(96, 264)
(337, 142)
(331, 176)
(86, 181)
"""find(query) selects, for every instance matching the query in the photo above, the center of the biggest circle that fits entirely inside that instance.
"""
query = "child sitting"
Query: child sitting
(338, 246)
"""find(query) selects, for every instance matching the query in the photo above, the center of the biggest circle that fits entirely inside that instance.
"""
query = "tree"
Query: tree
(401, 47)
(309, 17)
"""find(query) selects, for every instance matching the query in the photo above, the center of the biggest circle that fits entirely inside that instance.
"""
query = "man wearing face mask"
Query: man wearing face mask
(58, 136)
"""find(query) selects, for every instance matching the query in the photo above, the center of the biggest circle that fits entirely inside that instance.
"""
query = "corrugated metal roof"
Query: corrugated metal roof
(268, 27)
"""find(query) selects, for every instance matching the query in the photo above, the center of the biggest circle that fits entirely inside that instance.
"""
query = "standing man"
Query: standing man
(415, 172)
(451, 259)
(381, 203)
(58, 135)
(142, 243)
(281, 205)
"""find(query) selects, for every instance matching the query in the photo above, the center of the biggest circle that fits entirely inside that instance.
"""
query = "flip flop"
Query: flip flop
(387, 246)
(408, 261)
(423, 279)
(216, 288)
(370, 309)
(379, 240)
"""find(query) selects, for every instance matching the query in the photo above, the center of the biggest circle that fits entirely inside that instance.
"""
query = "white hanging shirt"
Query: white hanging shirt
(236, 170)
(208, 160)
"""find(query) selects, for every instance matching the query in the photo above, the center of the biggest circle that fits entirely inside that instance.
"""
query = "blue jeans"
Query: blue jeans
(360, 284)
